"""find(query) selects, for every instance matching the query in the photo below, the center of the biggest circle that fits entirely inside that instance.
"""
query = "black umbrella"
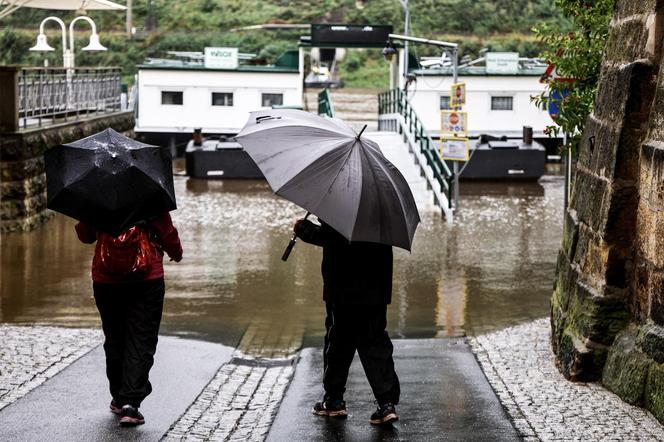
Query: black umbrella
(109, 181)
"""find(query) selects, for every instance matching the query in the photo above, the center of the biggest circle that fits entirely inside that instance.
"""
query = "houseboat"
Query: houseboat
(213, 91)
(499, 96)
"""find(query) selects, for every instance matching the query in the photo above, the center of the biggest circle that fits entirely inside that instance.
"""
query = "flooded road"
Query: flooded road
(492, 268)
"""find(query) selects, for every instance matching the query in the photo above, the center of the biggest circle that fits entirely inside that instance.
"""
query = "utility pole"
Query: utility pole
(406, 30)
(455, 164)
(130, 18)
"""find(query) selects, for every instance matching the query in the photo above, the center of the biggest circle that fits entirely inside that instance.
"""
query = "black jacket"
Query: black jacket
(353, 272)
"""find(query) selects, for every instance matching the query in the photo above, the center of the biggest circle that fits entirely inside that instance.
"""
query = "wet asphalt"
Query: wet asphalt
(73, 405)
(445, 397)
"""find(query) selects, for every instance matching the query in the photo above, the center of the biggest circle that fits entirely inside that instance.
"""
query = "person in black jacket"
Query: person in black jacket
(357, 280)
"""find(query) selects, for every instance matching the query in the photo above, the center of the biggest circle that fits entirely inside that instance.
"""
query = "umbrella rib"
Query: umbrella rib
(314, 207)
(348, 155)
(389, 177)
(350, 151)
(380, 208)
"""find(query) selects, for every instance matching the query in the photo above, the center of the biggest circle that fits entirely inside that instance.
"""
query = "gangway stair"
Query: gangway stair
(407, 145)
(396, 150)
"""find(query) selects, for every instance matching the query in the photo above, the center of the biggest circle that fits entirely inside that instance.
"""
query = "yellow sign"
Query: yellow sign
(458, 95)
(454, 123)
(454, 149)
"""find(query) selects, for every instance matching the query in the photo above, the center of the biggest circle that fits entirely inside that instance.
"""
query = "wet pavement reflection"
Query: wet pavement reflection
(491, 269)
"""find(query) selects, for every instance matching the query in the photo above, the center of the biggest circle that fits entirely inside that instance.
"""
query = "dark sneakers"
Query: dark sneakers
(115, 408)
(385, 414)
(130, 417)
(331, 408)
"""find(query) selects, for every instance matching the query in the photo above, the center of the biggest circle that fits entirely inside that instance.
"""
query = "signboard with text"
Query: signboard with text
(458, 95)
(454, 149)
(453, 123)
(502, 62)
(221, 58)
(342, 35)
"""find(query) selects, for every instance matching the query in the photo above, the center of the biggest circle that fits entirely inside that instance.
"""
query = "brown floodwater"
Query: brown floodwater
(492, 268)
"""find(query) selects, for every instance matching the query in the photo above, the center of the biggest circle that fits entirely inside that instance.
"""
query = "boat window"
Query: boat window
(171, 97)
(502, 103)
(445, 102)
(222, 98)
(269, 100)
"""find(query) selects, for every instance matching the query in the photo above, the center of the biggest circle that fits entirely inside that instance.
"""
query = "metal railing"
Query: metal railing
(325, 103)
(53, 95)
(395, 113)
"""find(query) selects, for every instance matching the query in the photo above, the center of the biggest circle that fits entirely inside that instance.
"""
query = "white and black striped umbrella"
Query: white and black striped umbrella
(322, 165)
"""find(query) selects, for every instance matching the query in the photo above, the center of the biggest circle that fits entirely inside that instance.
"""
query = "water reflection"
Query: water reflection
(492, 268)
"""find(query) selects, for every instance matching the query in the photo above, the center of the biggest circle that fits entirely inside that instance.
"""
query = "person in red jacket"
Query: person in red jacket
(130, 304)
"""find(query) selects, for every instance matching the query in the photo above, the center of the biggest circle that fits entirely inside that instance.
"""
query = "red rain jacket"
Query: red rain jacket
(166, 237)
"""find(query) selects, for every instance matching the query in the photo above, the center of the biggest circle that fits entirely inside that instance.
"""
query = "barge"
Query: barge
(500, 159)
(219, 158)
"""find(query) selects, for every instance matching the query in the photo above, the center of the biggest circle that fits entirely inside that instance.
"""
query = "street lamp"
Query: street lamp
(68, 51)
(389, 51)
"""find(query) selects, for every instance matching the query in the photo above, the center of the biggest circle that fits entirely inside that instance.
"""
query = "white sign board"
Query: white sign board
(502, 62)
(221, 58)
(454, 149)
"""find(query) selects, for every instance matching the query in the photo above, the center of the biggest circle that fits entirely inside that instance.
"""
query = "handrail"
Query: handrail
(50, 95)
(395, 101)
(325, 103)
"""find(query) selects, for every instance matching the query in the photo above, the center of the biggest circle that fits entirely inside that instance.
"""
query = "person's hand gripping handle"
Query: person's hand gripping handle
(291, 243)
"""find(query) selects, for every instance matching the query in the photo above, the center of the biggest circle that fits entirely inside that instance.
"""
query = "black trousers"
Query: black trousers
(361, 328)
(130, 316)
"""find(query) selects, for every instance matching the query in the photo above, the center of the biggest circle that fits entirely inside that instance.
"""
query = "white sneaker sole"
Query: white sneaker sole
(392, 417)
(342, 413)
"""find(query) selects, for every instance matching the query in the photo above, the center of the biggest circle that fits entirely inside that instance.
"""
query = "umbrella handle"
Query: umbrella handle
(291, 243)
(289, 248)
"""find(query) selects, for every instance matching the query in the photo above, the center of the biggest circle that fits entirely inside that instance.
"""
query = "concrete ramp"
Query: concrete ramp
(74, 404)
(444, 396)
(396, 150)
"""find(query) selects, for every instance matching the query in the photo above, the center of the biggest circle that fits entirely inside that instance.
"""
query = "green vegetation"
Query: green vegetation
(192, 25)
(577, 55)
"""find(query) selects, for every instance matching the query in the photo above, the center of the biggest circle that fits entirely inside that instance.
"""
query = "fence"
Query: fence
(44, 96)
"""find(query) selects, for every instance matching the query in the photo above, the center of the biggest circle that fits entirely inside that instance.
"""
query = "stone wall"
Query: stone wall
(607, 309)
(22, 177)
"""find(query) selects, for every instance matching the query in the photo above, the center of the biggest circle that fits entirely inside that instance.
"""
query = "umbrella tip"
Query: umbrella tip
(360, 134)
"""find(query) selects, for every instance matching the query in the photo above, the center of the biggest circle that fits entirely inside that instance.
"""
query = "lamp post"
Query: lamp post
(406, 30)
(68, 51)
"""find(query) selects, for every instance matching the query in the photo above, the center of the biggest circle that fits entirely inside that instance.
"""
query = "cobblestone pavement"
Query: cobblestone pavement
(241, 401)
(31, 355)
(543, 405)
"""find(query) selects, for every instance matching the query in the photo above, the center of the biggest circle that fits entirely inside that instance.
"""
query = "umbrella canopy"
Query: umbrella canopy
(109, 181)
(322, 165)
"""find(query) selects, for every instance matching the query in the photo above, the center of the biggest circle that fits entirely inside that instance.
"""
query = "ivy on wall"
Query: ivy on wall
(577, 57)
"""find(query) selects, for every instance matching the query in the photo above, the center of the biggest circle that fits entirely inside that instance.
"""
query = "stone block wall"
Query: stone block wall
(22, 177)
(607, 309)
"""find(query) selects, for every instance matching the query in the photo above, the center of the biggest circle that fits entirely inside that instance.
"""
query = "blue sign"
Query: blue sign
(555, 100)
